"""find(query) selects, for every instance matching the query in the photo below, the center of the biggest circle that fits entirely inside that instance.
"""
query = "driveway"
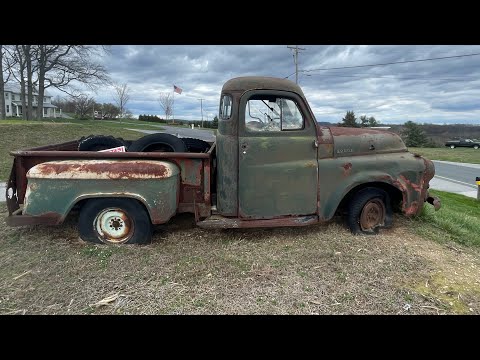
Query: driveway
(204, 134)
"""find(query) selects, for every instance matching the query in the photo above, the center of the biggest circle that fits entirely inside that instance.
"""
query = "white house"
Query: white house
(13, 103)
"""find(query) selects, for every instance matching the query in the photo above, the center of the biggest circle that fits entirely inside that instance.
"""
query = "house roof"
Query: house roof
(45, 105)
(15, 88)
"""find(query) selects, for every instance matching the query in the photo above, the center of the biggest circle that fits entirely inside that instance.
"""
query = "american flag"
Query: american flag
(177, 89)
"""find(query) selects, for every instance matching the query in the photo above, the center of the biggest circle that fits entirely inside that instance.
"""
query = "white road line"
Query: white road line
(456, 181)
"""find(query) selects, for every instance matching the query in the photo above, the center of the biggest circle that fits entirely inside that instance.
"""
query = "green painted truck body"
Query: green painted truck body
(276, 167)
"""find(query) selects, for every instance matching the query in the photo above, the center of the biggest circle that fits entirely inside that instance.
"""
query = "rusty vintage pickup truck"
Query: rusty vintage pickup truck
(271, 165)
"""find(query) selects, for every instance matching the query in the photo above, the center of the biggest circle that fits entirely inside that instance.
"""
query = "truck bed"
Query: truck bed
(195, 181)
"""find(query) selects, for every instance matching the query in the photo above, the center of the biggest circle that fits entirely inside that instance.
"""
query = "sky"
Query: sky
(443, 91)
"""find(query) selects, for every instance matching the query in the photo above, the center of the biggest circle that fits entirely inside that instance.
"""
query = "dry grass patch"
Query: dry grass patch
(187, 270)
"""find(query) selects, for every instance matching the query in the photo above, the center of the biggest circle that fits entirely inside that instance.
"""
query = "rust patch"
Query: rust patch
(412, 209)
(221, 222)
(324, 135)
(341, 131)
(416, 187)
(49, 218)
(347, 169)
(102, 169)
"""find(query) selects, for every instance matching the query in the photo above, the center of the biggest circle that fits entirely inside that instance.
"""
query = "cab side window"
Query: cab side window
(272, 114)
(226, 107)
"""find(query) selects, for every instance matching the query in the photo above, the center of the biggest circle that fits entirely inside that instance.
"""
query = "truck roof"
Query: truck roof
(245, 83)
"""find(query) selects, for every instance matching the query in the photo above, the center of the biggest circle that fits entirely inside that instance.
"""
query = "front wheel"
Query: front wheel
(452, 146)
(115, 221)
(475, 147)
(369, 210)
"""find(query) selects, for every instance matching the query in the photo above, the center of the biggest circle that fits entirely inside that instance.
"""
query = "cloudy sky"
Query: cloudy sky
(434, 91)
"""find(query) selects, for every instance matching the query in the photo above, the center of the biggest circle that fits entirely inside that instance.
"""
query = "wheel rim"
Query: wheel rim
(373, 215)
(452, 147)
(113, 225)
(475, 147)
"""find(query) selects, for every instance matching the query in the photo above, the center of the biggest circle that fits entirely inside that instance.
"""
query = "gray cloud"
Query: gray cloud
(440, 91)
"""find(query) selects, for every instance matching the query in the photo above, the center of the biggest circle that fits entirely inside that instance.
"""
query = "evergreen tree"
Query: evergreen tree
(364, 121)
(413, 135)
(372, 121)
(349, 120)
(215, 122)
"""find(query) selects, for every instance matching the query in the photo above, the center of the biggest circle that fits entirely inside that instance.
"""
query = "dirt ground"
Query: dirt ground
(320, 269)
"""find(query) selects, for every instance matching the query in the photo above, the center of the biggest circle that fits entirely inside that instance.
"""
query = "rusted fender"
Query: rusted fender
(55, 187)
(403, 171)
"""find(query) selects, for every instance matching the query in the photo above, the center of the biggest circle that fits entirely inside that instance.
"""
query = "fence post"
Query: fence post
(478, 188)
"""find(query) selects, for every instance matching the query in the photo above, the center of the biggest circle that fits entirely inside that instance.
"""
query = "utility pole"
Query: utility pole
(296, 49)
(201, 108)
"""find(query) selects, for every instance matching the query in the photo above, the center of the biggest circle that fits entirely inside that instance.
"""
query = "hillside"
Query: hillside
(441, 133)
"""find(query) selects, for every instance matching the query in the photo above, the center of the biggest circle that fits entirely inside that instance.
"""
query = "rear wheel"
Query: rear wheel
(369, 210)
(115, 221)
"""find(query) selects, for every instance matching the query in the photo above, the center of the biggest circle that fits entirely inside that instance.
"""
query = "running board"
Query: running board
(221, 222)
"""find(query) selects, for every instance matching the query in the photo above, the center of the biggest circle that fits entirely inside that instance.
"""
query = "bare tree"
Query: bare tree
(110, 111)
(83, 105)
(121, 97)
(8, 63)
(29, 68)
(62, 66)
(3, 114)
(166, 102)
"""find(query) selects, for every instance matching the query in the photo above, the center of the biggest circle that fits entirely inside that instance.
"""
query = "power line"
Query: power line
(393, 77)
(392, 63)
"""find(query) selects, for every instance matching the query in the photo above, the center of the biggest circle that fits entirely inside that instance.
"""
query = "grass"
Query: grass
(462, 155)
(458, 219)
(320, 269)
(21, 134)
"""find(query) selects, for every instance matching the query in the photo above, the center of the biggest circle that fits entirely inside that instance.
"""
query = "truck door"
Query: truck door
(278, 167)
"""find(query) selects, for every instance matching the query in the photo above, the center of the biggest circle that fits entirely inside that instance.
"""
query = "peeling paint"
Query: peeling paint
(103, 169)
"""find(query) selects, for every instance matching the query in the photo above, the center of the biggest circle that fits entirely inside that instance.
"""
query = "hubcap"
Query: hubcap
(373, 215)
(113, 225)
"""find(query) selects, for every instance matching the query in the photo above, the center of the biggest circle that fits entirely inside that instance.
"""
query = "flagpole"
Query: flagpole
(173, 106)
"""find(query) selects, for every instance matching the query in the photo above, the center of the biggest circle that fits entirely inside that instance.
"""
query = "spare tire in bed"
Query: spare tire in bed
(196, 145)
(159, 142)
(99, 142)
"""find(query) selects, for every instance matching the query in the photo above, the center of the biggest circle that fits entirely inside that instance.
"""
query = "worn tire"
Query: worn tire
(368, 210)
(158, 142)
(99, 142)
(120, 220)
(196, 145)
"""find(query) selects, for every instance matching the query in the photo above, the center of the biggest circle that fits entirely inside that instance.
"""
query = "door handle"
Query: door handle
(244, 147)
(315, 143)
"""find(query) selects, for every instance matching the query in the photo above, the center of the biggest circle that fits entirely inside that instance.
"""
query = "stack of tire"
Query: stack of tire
(159, 142)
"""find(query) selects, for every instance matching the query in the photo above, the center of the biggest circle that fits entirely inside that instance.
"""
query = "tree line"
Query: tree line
(35, 68)
(412, 134)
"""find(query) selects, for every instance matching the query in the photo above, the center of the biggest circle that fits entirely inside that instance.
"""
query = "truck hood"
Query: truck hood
(357, 141)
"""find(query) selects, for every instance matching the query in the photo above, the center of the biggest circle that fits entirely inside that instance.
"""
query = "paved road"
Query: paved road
(205, 134)
(453, 177)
